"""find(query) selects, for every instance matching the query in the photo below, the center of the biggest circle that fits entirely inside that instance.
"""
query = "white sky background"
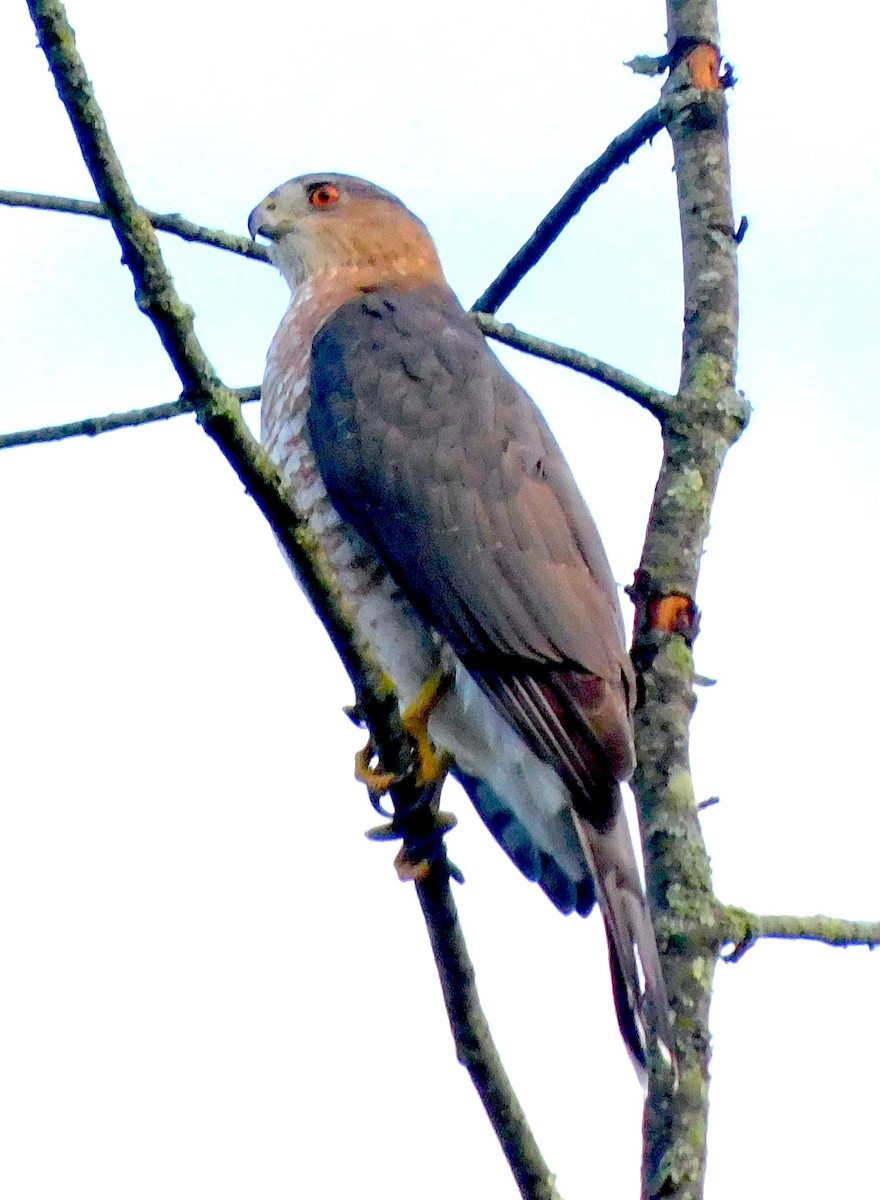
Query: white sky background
(212, 984)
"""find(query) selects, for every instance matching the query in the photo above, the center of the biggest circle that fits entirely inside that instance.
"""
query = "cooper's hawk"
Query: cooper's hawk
(445, 506)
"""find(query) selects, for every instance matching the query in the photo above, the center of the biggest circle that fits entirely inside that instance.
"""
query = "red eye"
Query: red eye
(324, 195)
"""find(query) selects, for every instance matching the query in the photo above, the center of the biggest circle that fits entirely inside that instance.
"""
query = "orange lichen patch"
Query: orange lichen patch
(673, 614)
(705, 67)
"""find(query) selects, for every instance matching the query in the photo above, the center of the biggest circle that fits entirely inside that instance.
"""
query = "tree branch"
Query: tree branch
(216, 406)
(164, 222)
(474, 1046)
(92, 426)
(745, 928)
(218, 410)
(653, 399)
(569, 205)
(709, 417)
(658, 403)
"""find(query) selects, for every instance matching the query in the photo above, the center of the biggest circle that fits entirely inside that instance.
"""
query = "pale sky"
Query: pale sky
(212, 984)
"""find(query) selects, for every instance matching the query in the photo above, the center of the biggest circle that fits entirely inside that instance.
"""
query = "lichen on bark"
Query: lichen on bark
(703, 421)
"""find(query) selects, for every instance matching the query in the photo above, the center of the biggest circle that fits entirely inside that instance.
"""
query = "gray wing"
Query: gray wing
(443, 464)
(441, 461)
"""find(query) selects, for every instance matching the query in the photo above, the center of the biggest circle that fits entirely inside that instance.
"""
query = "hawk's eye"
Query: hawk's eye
(323, 195)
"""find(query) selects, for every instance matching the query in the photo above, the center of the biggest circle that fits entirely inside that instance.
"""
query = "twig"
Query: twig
(745, 929)
(165, 222)
(658, 403)
(474, 1046)
(589, 181)
(653, 399)
(219, 412)
(216, 406)
(92, 426)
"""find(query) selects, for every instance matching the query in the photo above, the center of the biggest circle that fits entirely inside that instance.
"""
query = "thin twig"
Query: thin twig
(165, 222)
(219, 412)
(92, 426)
(473, 1043)
(618, 152)
(216, 406)
(746, 928)
(658, 403)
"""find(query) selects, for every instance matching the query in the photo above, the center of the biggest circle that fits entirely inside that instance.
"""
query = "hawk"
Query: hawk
(439, 496)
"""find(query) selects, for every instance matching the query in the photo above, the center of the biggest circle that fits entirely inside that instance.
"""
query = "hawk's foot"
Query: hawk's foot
(409, 868)
(413, 861)
(378, 781)
(430, 766)
(413, 867)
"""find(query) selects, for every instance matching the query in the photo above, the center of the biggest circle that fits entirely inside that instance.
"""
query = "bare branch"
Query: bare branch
(92, 426)
(589, 181)
(165, 222)
(216, 406)
(474, 1046)
(658, 403)
(219, 412)
(745, 928)
(710, 416)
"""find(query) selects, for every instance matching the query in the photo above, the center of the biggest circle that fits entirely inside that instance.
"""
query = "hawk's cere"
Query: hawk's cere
(457, 531)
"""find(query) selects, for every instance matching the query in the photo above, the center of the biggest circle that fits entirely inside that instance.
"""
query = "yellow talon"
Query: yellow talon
(431, 765)
(377, 781)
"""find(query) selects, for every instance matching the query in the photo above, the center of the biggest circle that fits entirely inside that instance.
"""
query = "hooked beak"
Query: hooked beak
(255, 223)
(267, 222)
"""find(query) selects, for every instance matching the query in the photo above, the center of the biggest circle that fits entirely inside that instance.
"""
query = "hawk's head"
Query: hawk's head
(320, 224)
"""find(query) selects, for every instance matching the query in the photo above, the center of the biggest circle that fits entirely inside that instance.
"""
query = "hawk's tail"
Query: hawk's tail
(639, 991)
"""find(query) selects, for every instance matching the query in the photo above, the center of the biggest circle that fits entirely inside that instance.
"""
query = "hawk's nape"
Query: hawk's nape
(457, 531)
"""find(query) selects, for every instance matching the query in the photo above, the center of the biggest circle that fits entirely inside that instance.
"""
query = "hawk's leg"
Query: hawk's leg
(377, 781)
(430, 766)
(422, 826)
